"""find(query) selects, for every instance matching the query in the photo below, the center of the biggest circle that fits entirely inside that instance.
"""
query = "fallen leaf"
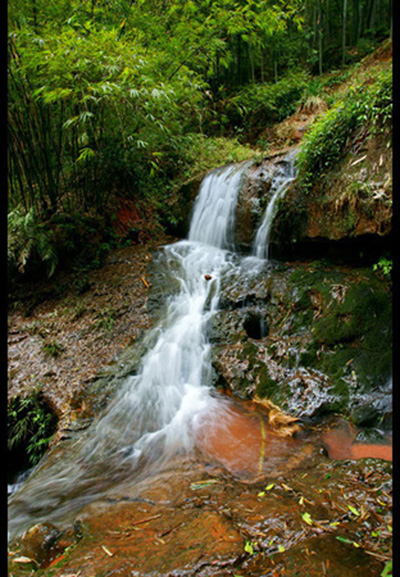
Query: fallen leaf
(354, 510)
(23, 559)
(307, 518)
(107, 551)
(358, 160)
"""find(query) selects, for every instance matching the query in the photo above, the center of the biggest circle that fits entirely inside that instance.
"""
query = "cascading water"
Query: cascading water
(284, 175)
(157, 412)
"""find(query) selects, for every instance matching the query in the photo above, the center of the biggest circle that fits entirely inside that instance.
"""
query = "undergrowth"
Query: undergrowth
(30, 426)
(329, 138)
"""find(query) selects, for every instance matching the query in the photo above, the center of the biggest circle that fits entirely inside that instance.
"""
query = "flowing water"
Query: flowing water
(170, 408)
(283, 177)
(158, 412)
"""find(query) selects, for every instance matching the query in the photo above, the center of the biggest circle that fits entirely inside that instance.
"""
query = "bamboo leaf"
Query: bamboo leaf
(307, 518)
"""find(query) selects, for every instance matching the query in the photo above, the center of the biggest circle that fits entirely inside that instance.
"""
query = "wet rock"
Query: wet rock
(39, 542)
(325, 346)
(365, 415)
(352, 200)
(252, 200)
(187, 522)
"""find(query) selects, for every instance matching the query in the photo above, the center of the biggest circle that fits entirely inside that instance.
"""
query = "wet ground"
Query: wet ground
(255, 499)
(248, 502)
(88, 315)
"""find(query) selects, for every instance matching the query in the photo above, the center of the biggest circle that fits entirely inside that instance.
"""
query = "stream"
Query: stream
(170, 409)
(163, 409)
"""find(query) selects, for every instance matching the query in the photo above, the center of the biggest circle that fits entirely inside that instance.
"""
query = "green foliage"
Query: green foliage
(104, 117)
(53, 348)
(29, 240)
(30, 426)
(106, 319)
(329, 138)
(117, 98)
(388, 569)
(384, 266)
(258, 106)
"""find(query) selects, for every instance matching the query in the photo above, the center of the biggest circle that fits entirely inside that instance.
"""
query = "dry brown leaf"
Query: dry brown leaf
(284, 425)
(24, 559)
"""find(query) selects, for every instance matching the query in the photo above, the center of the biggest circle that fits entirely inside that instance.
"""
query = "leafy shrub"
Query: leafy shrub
(29, 241)
(262, 104)
(384, 267)
(30, 427)
(329, 138)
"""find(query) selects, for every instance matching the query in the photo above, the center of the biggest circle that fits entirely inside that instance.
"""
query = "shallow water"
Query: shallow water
(169, 411)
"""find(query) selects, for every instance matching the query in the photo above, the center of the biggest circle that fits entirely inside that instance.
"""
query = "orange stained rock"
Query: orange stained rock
(241, 441)
(340, 445)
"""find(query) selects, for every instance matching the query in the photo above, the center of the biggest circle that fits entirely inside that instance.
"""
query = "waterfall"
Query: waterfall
(213, 218)
(156, 412)
(284, 175)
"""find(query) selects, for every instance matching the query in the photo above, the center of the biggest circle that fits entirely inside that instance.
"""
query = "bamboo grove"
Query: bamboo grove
(114, 96)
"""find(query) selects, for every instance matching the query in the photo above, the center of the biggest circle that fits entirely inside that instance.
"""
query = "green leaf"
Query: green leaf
(354, 510)
(388, 569)
(307, 518)
(344, 540)
(249, 548)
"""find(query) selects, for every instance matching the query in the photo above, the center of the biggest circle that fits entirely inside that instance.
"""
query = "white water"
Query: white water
(157, 412)
(283, 177)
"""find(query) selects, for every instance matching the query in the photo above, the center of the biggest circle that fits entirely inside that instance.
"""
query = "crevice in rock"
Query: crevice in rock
(255, 326)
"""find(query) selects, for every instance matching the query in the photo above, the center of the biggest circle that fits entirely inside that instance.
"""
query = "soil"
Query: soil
(64, 333)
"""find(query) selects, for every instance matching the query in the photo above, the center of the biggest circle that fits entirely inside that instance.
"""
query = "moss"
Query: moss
(267, 387)
(309, 357)
(336, 327)
(373, 367)
(365, 309)
(250, 351)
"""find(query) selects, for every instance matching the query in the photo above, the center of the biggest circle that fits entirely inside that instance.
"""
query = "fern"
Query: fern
(30, 425)
(28, 241)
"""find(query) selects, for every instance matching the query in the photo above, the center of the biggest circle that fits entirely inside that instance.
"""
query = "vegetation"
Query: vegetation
(31, 425)
(330, 137)
(119, 99)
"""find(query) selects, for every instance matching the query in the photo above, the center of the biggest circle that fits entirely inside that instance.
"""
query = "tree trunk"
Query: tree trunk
(319, 23)
(344, 32)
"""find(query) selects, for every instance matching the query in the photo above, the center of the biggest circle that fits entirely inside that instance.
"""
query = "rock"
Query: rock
(39, 543)
(353, 200)
(365, 415)
(318, 340)
(252, 200)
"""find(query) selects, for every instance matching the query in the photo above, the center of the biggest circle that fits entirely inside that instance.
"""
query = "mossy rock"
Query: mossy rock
(267, 387)
(329, 329)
